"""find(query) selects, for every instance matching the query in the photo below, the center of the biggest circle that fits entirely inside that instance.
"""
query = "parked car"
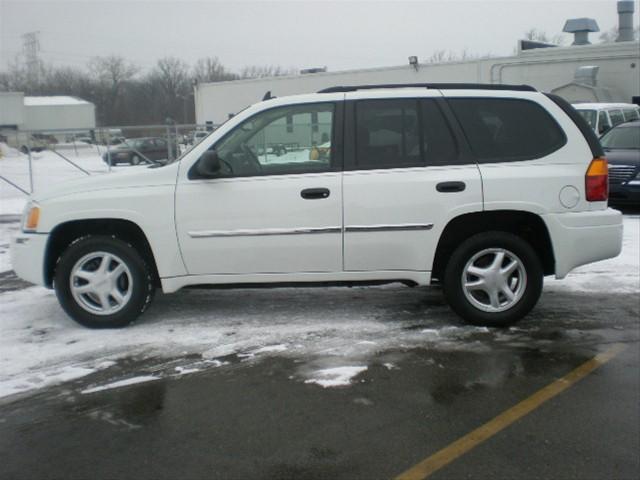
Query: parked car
(604, 116)
(481, 189)
(622, 148)
(139, 150)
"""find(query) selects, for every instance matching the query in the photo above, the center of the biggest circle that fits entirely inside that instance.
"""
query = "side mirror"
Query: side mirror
(209, 164)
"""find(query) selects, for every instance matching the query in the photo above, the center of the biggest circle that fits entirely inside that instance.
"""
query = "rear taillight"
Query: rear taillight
(597, 180)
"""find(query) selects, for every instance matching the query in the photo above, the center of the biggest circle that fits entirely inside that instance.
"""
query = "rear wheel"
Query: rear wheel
(493, 278)
(102, 282)
(135, 160)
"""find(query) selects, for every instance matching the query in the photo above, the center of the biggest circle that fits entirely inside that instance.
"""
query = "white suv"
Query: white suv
(483, 189)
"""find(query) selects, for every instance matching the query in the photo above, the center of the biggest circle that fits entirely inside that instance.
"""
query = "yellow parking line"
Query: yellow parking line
(461, 446)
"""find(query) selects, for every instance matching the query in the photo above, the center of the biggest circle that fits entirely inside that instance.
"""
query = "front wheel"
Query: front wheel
(135, 160)
(102, 282)
(493, 279)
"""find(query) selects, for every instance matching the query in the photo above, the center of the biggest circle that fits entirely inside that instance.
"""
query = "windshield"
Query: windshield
(589, 116)
(622, 138)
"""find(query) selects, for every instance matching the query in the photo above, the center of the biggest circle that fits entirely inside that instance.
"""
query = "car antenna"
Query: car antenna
(267, 96)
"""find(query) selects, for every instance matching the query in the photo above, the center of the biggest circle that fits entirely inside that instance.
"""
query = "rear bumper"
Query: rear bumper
(583, 237)
(27, 256)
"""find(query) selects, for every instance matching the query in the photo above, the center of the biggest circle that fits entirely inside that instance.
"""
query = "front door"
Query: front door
(275, 206)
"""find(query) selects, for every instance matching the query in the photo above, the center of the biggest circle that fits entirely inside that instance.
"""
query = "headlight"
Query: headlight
(31, 218)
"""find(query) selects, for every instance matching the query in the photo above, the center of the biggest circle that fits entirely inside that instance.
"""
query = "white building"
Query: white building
(557, 69)
(22, 117)
(21, 113)
(11, 109)
(58, 112)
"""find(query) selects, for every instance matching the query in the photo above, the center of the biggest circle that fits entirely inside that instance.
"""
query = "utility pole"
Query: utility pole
(30, 49)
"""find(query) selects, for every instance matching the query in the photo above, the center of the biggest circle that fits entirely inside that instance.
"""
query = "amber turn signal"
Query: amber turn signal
(33, 217)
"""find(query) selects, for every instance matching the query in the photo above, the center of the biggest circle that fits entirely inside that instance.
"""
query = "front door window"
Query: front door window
(287, 140)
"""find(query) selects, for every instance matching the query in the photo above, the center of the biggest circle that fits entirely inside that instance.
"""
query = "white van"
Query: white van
(604, 116)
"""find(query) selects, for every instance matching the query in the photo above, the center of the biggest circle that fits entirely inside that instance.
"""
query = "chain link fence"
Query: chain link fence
(26, 154)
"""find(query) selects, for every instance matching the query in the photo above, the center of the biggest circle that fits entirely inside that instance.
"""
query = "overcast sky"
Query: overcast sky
(340, 35)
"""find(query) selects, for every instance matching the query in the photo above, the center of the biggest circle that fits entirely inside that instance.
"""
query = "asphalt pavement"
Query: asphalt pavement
(258, 420)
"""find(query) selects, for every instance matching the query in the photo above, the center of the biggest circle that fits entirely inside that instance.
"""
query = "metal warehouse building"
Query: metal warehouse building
(580, 73)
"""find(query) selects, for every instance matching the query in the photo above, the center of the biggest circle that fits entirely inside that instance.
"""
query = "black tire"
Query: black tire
(141, 281)
(24, 149)
(135, 160)
(528, 296)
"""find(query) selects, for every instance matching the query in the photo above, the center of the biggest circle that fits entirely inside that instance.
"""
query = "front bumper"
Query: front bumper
(584, 237)
(27, 256)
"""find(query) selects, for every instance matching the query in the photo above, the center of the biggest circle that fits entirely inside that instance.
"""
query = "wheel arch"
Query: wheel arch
(529, 226)
(66, 233)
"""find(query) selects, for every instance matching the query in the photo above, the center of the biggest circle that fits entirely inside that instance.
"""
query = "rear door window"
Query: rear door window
(501, 129)
(401, 133)
(387, 134)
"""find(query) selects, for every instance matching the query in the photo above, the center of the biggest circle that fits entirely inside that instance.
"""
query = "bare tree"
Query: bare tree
(110, 75)
(541, 36)
(262, 71)
(210, 69)
(444, 56)
(170, 83)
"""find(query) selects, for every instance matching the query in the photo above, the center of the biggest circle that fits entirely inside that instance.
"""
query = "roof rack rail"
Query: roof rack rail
(437, 86)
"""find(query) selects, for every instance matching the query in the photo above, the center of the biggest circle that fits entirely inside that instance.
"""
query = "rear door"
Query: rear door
(406, 174)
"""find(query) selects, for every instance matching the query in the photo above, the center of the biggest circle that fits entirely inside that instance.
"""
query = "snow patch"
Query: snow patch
(42, 379)
(186, 370)
(270, 349)
(335, 377)
(121, 383)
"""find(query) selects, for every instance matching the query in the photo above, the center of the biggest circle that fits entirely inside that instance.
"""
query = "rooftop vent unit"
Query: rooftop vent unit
(625, 21)
(581, 27)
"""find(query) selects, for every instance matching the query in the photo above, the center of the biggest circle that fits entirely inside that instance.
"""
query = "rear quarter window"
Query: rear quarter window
(505, 129)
